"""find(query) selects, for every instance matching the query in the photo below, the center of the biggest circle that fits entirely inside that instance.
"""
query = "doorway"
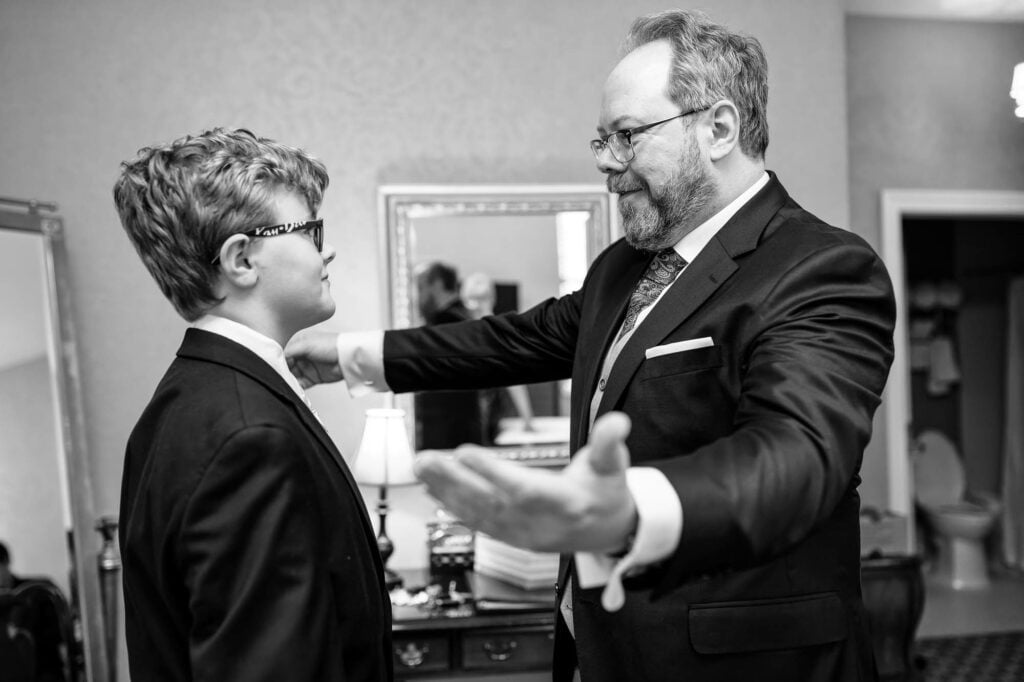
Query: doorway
(899, 206)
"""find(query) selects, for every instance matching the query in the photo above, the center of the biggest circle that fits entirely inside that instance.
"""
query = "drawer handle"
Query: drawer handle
(412, 656)
(500, 650)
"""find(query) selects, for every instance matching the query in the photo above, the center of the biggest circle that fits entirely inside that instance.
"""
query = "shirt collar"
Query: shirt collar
(263, 346)
(694, 242)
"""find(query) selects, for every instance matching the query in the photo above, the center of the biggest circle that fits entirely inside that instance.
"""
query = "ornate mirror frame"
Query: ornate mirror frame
(37, 218)
(400, 206)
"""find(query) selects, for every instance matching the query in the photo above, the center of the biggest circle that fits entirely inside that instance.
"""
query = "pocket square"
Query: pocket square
(678, 347)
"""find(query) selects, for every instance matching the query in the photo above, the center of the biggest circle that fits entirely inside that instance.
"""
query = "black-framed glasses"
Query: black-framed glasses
(620, 142)
(315, 228)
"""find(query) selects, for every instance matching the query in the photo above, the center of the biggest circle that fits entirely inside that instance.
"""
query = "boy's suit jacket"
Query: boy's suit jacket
(246, 548)
(761, 433)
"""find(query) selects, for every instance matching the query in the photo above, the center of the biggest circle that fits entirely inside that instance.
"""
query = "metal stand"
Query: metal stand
(110, 569)
(384, 544)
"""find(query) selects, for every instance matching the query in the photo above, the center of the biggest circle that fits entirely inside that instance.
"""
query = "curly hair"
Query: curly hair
(710, 63)
(179, 202)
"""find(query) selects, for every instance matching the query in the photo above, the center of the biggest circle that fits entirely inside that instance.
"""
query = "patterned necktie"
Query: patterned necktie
(659, 274)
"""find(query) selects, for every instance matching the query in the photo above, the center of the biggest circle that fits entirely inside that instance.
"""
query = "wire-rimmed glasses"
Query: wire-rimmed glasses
(620, 142)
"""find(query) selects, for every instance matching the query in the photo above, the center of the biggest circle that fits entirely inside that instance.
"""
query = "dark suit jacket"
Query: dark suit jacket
(447, 419)
(247, 550)
(761, 434)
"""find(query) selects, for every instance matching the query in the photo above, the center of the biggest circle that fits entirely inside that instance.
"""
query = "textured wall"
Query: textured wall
(398, 91)
(929, 108)
(385, 92)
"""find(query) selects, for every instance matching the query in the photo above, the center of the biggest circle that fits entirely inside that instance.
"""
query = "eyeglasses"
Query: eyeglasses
(315, 228)
(621, 141)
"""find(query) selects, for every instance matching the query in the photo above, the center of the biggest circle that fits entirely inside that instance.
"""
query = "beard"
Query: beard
(672, 209)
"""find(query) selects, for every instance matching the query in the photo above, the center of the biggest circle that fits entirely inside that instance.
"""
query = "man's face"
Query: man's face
(427, 294)
(666, 189)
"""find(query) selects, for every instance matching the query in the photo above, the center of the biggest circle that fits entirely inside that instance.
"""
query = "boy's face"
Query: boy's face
(293, 274)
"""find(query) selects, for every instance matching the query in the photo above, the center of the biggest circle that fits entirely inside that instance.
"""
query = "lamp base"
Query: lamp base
(392, 579)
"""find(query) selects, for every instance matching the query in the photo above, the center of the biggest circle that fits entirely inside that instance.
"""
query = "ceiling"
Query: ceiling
(964, 10)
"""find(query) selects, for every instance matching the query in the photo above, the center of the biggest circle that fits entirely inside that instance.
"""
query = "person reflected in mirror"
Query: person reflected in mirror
(479, 294)
(33, 609)
(727, 358)
(445, 419)
(8, 579)
(246, 547)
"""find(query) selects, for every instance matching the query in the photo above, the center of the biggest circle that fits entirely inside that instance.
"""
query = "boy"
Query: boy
(246, 548)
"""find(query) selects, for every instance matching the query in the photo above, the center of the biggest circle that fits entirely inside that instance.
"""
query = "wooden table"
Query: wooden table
(472, 640)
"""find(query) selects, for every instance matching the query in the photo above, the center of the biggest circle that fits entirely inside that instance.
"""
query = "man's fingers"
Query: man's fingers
(461, 490)
(607, 445)
(500, 473)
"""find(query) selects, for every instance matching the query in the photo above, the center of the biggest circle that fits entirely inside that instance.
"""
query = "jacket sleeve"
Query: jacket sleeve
(500, 350)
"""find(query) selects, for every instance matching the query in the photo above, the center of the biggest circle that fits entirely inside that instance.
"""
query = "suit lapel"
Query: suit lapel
(210, 347)
(695, 285)
(604, 326)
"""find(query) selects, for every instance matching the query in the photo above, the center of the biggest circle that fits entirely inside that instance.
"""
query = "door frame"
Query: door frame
(897, 204)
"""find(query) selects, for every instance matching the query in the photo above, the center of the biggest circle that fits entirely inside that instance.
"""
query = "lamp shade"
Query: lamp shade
(385, 456)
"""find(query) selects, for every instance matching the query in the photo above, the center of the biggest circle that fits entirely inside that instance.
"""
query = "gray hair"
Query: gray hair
(709, 63)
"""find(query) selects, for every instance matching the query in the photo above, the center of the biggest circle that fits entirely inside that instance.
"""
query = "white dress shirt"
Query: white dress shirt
(263, 346)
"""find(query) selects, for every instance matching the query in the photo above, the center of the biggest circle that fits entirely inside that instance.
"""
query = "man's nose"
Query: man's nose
(607, 163)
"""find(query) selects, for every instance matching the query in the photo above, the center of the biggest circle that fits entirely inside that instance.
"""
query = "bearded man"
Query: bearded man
(726, 359)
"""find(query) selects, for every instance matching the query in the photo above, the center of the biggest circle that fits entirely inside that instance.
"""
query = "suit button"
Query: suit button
(600, 385)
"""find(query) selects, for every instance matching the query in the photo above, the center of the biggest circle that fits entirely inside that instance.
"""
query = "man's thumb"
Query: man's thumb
(608, 453)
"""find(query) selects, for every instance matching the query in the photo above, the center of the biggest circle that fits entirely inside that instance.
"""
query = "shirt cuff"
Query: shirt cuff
(659, 527)
(361, 359)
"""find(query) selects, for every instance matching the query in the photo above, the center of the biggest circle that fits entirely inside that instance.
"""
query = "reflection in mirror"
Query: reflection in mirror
(42, 517)
(455, 253)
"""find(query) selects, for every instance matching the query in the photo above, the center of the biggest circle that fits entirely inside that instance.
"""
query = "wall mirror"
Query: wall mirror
(510, 247)
(45, 521)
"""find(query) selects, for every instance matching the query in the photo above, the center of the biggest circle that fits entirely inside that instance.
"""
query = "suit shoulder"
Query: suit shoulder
(795, 228)
(197, 407)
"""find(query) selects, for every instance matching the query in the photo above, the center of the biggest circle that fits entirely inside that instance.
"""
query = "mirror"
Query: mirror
(509, 247)
(43, 517)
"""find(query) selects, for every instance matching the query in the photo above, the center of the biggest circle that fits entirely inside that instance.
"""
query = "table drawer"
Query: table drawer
(507, 648)
(421, 653)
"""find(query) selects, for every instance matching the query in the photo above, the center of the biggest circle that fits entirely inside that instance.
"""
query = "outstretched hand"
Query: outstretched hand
(313, 357)
(584, 507)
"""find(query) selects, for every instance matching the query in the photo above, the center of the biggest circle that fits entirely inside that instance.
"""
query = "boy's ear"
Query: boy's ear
(234, 261)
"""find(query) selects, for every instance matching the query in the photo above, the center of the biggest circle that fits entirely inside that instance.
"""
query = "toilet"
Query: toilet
(960, 524)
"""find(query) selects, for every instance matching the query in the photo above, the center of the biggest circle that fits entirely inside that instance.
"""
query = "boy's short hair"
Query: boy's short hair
(179, 202)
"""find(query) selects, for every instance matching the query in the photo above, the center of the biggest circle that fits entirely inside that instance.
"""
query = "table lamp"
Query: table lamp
(385, 459)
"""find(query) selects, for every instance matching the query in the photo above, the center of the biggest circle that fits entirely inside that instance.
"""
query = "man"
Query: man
(437, 294)
(8, 579)
(35, 625)
(732, 350)
(246, 546)
(445, 419)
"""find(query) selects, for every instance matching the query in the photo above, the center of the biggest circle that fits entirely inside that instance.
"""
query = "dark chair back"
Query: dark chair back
(36, 633)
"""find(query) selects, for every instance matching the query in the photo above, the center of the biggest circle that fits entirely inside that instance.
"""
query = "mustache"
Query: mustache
(619, 184)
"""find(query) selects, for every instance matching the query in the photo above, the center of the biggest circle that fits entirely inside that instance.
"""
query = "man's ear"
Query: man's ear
(234, 261)
(725, 129)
